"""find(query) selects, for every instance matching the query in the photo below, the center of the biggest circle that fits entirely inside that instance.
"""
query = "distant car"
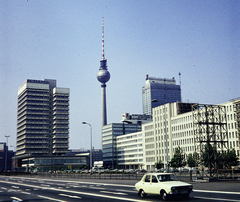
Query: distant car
(163, 184)
(184, 170)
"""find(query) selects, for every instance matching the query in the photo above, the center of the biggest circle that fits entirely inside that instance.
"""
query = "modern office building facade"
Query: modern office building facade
(129, 151)
(42, 119)
(175, 125)
(159, 91)
(110, 133)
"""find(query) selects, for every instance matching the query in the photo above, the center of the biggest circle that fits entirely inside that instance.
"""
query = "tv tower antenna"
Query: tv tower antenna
(103, 57)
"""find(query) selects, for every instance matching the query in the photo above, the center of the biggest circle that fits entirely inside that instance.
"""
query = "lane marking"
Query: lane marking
(99, 184)
(26, 192)
(221, 192)
(216, 199)
(15, 187)
(15, 198)
(70, 196)
(82, 182)
(97, 188)
(53, 199)
(126, 190)
(109, 192)
(75, 192)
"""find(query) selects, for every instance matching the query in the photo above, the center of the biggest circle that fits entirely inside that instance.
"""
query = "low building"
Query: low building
(129, 151)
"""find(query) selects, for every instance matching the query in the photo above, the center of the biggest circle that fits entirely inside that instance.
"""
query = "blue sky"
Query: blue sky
(62, 40)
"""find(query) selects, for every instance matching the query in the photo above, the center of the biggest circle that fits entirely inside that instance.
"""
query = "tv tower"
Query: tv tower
(103, 77)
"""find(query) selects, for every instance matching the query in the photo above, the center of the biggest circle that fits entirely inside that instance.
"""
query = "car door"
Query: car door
(154, 185)
(146, 184)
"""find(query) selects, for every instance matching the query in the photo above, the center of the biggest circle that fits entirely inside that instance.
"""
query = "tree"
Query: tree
(159, 164)
(193, 159)
(230, 158)
(208, 156)
(178, 159)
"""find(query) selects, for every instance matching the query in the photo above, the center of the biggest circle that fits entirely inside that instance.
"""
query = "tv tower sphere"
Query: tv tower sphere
(103, 75)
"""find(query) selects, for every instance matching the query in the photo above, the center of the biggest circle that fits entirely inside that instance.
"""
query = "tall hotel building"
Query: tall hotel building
(159, 91)
(42, 119)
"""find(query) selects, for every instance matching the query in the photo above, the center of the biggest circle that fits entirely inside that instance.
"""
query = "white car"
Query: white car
(163, 184)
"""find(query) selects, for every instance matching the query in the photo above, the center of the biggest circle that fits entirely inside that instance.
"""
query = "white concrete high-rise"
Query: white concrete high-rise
(42, 119)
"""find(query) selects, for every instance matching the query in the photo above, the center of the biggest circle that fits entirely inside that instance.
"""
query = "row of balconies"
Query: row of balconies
(60, 147)
(61, 117)
(59, 98)
(24, 98)
(60, 127)
(65, 113)
(64, 121)
(39, 141)
(26, 104)
(62, 151)
(20, 115)
(61, 141)
(32, 132)
(64, 104)
(24, 128)
(32, 123)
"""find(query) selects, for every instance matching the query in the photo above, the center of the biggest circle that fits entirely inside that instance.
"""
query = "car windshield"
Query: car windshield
(169, 177)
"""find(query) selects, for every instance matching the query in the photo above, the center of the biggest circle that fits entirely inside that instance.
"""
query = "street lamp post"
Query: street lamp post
(14, 157)
(90, 143)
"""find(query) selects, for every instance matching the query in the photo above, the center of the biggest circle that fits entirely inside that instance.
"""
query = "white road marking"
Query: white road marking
(70, 196)
(126, 190)
(97, 188)
(222, 192)
(99, 195)
(109, 192)
(75, 192)
(15, 198)
(216, 199)
(15, 187)
(26, 192)
(53, 199)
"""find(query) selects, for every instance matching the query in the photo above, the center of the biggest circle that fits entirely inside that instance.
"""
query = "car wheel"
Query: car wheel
(164, 195)
(142, 193)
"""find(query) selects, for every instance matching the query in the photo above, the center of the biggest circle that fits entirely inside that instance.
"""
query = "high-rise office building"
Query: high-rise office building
(42, 119)
(159, 91)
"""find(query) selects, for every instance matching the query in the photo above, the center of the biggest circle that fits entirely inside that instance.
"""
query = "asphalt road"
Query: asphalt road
(14, 189)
